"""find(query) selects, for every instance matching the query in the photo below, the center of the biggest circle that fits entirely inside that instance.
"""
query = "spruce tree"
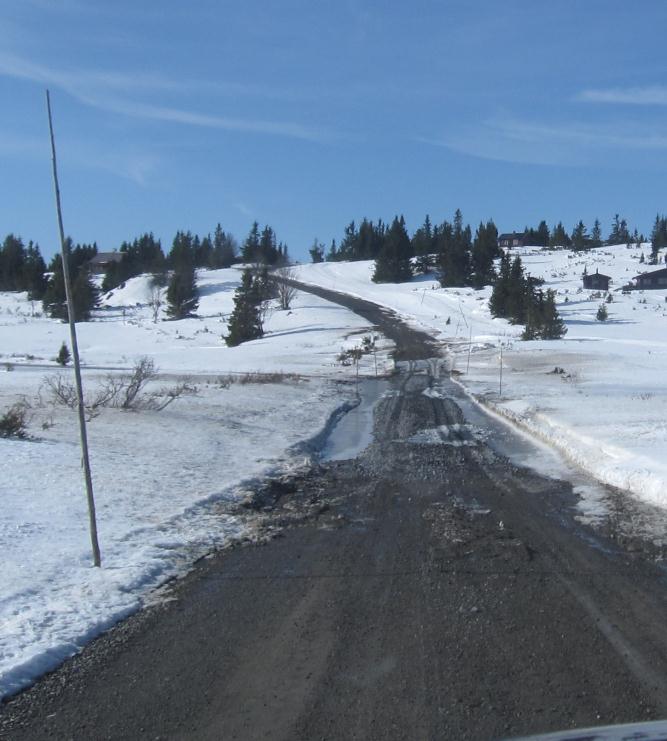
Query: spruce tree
(245, 322)
(224, 249)
(484, 251)
(579, 237)
(455, 269)
(316, 251)
(182, 293)
(85, 295)
(392, 264)
(596, 234)
(499, 301)
(553, 327)
(250, 249)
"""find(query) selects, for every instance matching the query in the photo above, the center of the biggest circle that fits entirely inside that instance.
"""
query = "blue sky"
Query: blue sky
(306, 114)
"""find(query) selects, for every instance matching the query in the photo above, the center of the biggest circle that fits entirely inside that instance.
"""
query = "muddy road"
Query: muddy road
(428, 589)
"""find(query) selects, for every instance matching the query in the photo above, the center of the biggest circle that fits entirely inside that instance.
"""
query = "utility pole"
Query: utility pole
(64, 251)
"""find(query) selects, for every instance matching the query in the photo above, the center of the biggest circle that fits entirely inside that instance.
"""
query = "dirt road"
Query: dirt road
(428, 589)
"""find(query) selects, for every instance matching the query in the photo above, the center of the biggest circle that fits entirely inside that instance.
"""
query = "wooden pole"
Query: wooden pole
(64, 251)
(500, 390)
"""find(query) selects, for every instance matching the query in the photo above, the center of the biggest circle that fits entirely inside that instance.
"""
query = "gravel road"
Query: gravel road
(428, 589)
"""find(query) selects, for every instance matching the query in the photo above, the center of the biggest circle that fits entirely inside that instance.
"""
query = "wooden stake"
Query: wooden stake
(97, 560)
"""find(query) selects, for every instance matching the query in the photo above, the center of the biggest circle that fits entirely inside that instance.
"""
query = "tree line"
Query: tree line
(22, 267)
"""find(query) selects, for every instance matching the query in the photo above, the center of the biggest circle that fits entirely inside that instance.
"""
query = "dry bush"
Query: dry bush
(244, 379)
(285, 291)
(126, 391)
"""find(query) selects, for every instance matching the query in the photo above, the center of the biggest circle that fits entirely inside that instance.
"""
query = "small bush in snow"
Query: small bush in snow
(63, 356)
(14, 422)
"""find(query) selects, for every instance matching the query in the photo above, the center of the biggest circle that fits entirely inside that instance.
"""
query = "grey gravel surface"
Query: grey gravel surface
(428, 589)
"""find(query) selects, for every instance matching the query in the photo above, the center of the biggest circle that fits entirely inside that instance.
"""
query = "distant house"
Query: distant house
(654, 279)
(597, 281)
(515, 239)
(101, 261)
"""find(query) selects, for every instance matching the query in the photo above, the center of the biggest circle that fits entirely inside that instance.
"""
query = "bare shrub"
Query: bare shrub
(285, 290)
(14, 422)
(155, 302)
(128, 388)
(126, 391)
(244, 379)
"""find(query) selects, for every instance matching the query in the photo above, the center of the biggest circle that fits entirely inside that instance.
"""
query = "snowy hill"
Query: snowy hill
(607, 409)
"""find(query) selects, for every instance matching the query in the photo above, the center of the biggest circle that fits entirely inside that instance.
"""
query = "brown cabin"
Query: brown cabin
(101, 261)
(597, 281)
(654, 279)
(515, 239)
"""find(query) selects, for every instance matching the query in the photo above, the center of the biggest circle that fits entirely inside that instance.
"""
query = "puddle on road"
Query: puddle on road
(354, 432)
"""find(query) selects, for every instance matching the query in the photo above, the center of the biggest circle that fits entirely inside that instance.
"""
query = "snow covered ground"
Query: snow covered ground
(605, 407)
(165, 482)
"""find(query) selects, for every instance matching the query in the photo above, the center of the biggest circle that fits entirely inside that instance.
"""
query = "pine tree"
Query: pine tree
(224, 249)
(245, 322)
(454, 260)
(542, 238)
(484, 251)
(13, 258)
(596, 234)
(553, 327)
(392, 264)
(182, 252)
(63, 356)
(333, 255)
(559, 237)
(34, 272)
(316, 251)
(250, 249)
(619, 231)
(499, 301)
(182, 293)
(85, 295)
(579, 237)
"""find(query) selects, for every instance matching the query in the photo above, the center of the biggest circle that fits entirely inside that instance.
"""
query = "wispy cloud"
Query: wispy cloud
(651, 95)
(243, 209)
(531, 142)
(102, 90)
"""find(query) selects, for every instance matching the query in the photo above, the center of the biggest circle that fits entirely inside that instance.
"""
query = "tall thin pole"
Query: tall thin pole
(97, 560)
(500, 388)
